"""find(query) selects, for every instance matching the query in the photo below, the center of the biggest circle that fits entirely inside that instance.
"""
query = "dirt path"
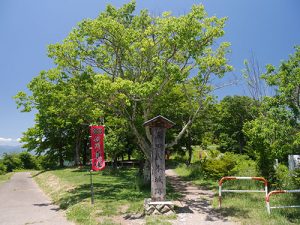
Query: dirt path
(23, 203)
(195, 206)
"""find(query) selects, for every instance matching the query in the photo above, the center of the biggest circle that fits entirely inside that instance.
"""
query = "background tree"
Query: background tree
(257, 87)
(233, 113)
(270, 137)
(286, 81)
(275, 133)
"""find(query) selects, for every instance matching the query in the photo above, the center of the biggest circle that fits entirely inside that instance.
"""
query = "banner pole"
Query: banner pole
(92, 188)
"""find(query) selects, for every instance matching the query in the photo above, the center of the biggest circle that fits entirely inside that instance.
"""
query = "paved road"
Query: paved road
(23, 203)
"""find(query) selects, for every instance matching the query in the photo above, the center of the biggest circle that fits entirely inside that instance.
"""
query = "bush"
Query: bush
(296, 178)
(3, 168)
(46, 162)
(283, 179)
(244, 167)
(218, 165)
(12, 161)
(28, 161)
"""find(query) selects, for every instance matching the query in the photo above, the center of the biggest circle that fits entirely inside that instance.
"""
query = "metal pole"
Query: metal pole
(92, 188)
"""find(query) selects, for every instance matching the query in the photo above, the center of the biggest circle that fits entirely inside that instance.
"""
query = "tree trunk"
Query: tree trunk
(77, 149)
(61, 158)
(129, 154)
(147, 172)
(189, 148)
(115, 162)
(84, 156)
(190, 152)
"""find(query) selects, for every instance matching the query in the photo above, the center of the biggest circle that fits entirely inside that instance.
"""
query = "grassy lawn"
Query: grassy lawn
(248, 208)
(117, 194)
(5, 177)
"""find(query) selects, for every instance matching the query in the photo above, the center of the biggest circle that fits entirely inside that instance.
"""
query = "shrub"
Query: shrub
(46, 162)
(296, 179)
(12, 161)
(28, 161)
(3, 168)
(283, 179)
(244, 167)
(218, 165)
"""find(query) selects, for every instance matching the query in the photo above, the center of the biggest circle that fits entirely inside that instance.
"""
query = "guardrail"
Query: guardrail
(241, 191)
(280, 192)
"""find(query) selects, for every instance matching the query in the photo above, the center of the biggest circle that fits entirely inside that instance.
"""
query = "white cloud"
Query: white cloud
(5, 139)
(9, 141)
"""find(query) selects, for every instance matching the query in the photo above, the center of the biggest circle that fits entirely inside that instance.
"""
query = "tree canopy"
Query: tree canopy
(126, 65)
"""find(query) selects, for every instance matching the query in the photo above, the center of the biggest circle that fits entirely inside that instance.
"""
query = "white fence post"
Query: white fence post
(280, 192)
(241, 191)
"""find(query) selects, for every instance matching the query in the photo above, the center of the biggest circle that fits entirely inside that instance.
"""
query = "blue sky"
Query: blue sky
(268, 28)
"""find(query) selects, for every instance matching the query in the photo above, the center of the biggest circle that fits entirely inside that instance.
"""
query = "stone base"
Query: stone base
(158, 208)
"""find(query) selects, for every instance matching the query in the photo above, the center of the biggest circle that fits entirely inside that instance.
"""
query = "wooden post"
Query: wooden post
(92, 187)
(158, 126)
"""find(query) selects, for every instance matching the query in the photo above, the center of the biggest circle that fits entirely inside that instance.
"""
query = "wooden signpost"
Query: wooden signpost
(158, 126)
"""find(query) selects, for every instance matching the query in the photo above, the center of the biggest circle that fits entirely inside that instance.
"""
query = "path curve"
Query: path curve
(22, 202)
(194, 208)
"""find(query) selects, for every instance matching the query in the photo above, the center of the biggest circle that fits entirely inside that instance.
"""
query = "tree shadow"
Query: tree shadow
(107, 187)
(233, 212)
(54, 208)
(40, 172)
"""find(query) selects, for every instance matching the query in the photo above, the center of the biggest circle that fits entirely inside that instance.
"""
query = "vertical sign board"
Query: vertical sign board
(158, 178)
(158, 126)
(97, 147)
(294, 162)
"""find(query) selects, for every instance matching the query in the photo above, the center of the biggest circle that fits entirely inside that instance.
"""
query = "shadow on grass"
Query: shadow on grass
(108, 186)
(292, 216)
(233, 212)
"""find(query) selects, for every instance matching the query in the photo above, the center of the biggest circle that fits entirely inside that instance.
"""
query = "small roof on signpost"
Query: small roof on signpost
(159, 121)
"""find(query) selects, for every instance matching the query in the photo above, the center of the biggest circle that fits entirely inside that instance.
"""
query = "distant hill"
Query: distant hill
(10, 149)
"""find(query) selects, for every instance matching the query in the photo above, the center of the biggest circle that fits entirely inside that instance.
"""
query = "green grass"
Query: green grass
(161, 220)
(186, 173)
(116, 193)
(250, 208)
(5, 177)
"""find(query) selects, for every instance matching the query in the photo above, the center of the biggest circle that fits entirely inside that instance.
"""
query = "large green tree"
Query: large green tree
(127, 61)
(233, 113)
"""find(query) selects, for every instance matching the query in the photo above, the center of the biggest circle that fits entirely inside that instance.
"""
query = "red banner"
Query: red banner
(97, 147)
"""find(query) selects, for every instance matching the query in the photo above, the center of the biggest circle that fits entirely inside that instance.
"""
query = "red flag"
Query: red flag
(97, 147)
